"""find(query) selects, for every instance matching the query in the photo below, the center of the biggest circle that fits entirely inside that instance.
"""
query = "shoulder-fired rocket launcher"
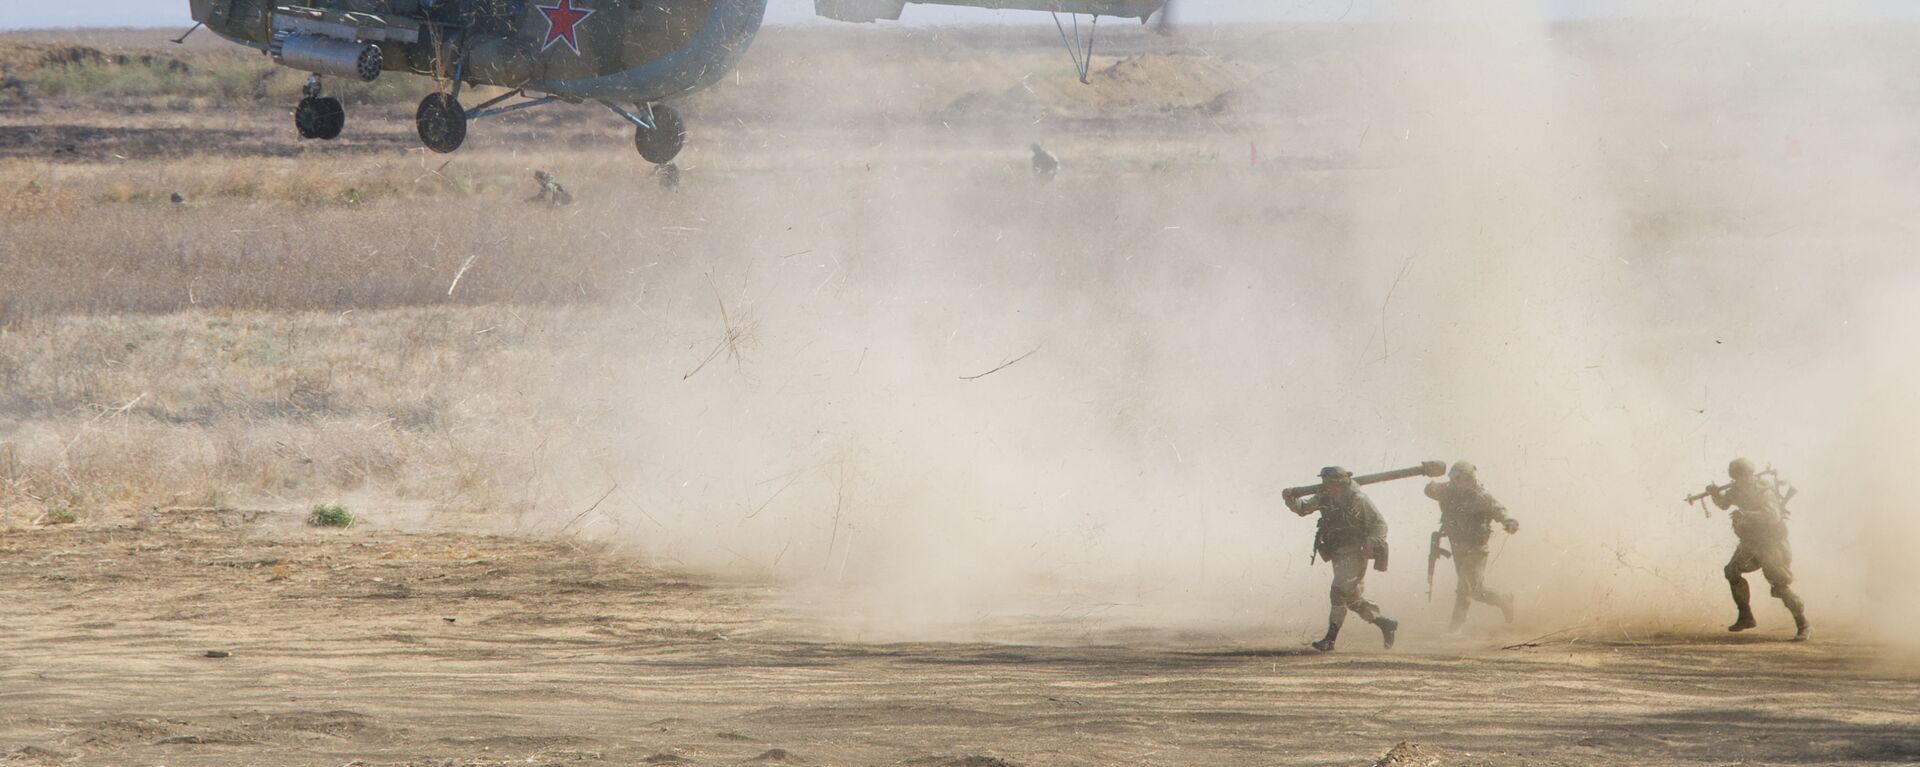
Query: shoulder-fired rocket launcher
(1425, 469)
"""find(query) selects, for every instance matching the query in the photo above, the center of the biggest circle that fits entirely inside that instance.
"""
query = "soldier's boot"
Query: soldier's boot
(1505, 603)
(1387, 627)
(1326, 643)
(1803, 630)
(1459, 615)
(1740, 600)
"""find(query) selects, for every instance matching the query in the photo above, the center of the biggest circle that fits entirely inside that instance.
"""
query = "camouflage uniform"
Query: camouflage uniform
(1759, 523)
(1350, 532)
(1467, 515)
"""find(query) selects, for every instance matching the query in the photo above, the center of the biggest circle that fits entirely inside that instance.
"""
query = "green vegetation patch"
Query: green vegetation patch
(334, 515)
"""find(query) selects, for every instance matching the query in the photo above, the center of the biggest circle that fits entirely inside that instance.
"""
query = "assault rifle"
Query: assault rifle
(1774, 483)
(1434, 554)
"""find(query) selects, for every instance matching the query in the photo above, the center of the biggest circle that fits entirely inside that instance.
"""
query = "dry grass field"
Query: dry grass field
(862, 447)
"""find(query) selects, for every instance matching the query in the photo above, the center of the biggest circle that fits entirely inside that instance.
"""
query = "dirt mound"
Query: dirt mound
(112, 733)
(1409, 755)
(329, 723)
(1150, 83)
(34, 755)
(1163, 72)
(1167, 81)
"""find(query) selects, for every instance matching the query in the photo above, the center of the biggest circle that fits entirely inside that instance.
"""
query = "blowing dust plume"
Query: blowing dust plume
(948, 401)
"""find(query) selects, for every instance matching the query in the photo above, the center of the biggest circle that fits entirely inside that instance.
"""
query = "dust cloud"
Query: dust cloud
(1599, 260)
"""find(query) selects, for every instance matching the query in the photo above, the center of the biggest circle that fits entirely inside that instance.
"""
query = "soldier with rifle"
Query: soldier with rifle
(1350, 533)
(1759, 521)
(1467, 515)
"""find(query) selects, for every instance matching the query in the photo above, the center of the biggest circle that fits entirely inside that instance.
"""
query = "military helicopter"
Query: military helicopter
(630, 56)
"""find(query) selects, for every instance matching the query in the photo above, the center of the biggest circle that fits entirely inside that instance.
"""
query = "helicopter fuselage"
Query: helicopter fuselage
(628, 51)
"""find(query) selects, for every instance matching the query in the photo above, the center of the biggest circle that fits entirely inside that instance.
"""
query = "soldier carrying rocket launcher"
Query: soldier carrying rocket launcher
(1351, 533)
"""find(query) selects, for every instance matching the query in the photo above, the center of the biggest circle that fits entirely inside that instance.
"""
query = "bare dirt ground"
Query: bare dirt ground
(378, 647)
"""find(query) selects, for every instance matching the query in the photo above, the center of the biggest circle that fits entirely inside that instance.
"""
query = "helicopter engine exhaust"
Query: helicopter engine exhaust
(329, 56)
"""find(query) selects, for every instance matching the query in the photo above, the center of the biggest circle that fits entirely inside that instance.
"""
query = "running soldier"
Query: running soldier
(1759, 521)
(1351, 531)
(1467, 515)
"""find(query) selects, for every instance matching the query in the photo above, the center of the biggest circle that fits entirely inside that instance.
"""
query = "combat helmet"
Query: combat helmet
(1463, 471)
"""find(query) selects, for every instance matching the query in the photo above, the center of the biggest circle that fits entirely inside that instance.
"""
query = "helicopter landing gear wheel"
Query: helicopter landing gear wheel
(320, 117)
(442, 122)
(663, 142)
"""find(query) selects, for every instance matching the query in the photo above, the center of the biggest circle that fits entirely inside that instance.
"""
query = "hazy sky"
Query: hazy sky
(18, 14)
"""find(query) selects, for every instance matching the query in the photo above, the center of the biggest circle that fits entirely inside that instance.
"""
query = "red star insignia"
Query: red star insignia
(562, 20)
